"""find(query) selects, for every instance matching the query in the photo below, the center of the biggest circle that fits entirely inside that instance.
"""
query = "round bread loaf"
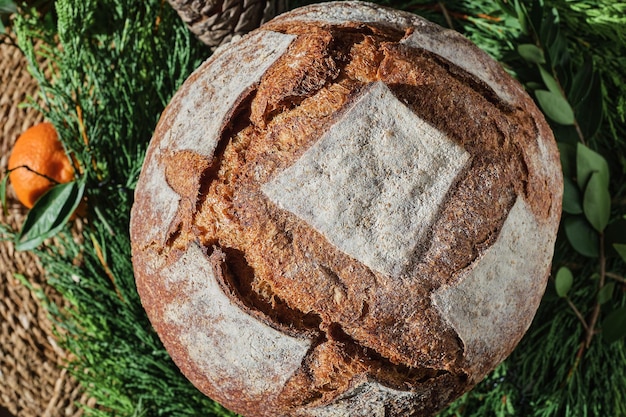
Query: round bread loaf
(348, 212)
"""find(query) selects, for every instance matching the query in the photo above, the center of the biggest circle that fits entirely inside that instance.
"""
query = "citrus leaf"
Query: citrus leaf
(555, 107)
(3, 193)
(563, 281)
(606, 293)
(621, 250)
(571, 197)
(49, 214)
(550, 81)
(583, 238)
(614, 325)
(588, 162)
(597, 203)
(531, 53)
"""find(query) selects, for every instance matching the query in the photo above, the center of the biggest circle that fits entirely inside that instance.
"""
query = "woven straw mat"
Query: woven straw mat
(33, 381)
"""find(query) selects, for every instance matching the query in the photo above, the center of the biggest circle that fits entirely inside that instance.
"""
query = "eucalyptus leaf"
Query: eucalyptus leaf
(588, 162)
(563, 281)
(549, 28)
(567, 154)
(49, 214)
(567, 134)
(8, 6)
(3, 193)
(557, 49)
(620, 248)
(583, 238)
(589, 112)
(572, 199)
(550, 82)
(555, 107)
(606, 293)
(614, 325)
(582, 83)
(531, 53)
(597, 203)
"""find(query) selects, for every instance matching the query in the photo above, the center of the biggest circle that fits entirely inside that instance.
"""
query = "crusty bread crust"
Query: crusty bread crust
(350, 211)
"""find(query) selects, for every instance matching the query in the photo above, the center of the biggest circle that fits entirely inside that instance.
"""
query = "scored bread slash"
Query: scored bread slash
(218, 332)
(349, 211)
(373, 183)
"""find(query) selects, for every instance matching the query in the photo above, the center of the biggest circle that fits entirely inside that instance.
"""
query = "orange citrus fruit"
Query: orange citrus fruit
(37, 163)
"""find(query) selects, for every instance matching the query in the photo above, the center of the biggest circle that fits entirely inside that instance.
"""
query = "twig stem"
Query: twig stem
(616, 277)
(578, 314)
(596, 309)
(446, 15)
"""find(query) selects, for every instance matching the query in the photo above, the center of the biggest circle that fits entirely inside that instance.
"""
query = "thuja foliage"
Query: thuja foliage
(113, 66)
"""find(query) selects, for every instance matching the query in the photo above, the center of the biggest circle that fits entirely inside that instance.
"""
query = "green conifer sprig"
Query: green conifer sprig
(114, 64)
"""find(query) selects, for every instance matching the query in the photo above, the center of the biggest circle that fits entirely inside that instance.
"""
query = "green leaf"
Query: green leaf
(7, 7)
(572, 200)
(3, 193)
(531, 53)
(583, 238)
(558, 52)
(597, 203)
(614, 325)
(563, 281)
(49, 214)
(520, 9)
(588, 162)
(621, 250)
(589, 112)
(555, 107)
(582, 83)
(550, 82)
(567, 154)
(606, 293)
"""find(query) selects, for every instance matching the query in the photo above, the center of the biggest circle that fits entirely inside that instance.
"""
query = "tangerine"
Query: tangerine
(38, 162)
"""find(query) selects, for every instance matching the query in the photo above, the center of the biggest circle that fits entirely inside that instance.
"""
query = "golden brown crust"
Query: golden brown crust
(364, 332)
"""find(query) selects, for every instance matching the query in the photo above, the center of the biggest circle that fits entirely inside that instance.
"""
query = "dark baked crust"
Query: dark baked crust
(364, 336)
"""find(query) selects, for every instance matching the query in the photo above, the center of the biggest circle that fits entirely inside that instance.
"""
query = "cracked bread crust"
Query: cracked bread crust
(345, 177)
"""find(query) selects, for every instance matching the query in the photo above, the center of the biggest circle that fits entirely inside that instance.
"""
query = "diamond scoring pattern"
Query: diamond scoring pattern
(373, 183)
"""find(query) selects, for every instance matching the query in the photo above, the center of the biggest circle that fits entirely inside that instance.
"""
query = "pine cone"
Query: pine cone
(215, 22)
